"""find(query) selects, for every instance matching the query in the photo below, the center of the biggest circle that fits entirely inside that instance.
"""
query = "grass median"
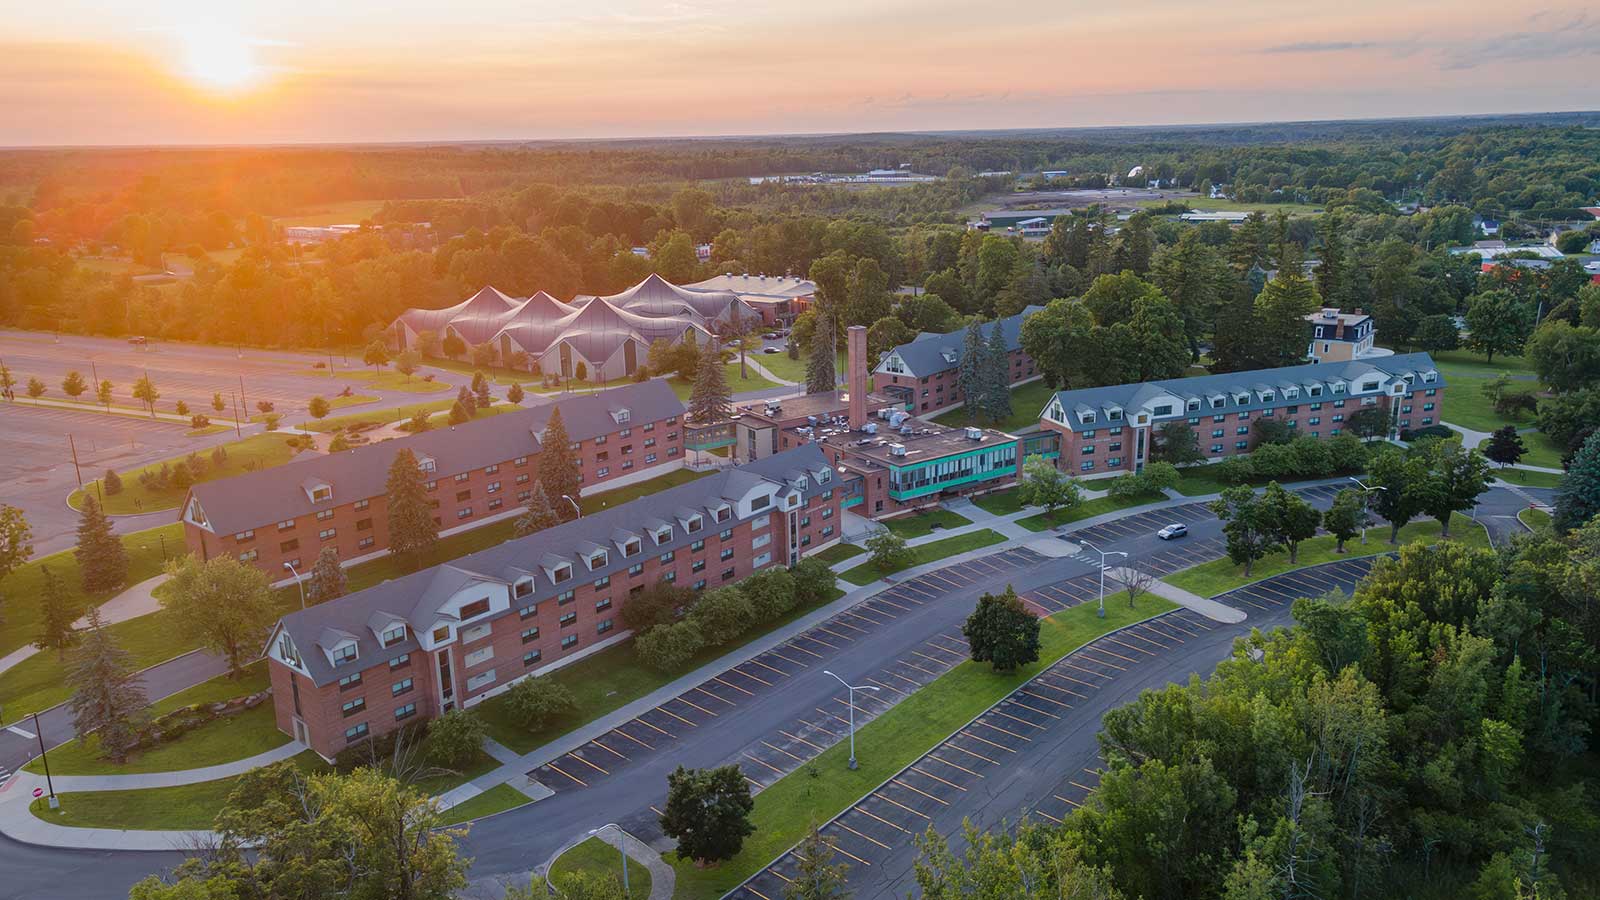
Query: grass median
(1215, 577)
(868, 572)
(922, 523)
(259, 451)
(497, 799)
(838, 553)
(825, 786)
(597, 857)
(1088, 509)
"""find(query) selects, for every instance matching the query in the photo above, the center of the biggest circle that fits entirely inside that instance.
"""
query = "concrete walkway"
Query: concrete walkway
(136, 601)
(663, 878)
(1207, 607)
(1470, 439)
(66, 783)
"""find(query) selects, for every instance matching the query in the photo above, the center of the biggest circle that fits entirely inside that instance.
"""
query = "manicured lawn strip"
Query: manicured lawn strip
(1534, 518)
(794, 370)
(1087, 509)
(260, 450)
(838, 553)
(380, 416)
(208, 430)
(609, 680)
(999, 503)
(737, 385)
(481, 765)
(442, 419)
(184, 807)
(22, 587)
(919, 524)
(1027, 400)
(823, 787)
(599, 857)
(497, 799)
(606, 499)
(1465, 362)
(1212, 578)
(224, 740)
(392, 381)
(1467, 406)
(1542, 451)
(866, 573)
(1528, 477)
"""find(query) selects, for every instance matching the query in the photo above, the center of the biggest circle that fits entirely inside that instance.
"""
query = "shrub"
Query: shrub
(771, 593)
(657, 604)
(1159, 476)
(813, 581)
(1346, 454)
(1236, 470)
(199, 421)
(889, 551)
(181, 477)
(1311, 457)
(668, 648)
(112, 482)
(456, 738)
(536, 702)
(1421, 434)
(722, 615)
(219, 456)
(272, 420)
(1516, 403)
(1126, 486)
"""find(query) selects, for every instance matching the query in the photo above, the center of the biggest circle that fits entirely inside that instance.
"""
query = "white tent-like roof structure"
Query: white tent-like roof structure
(657, 297)
(475, 319)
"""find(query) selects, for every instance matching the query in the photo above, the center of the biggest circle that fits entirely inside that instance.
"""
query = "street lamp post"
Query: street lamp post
(852, 689)
(55, 802)
(622, 843)
(575, 507)
(1365, 493)
(298, 583)
(1104, 555)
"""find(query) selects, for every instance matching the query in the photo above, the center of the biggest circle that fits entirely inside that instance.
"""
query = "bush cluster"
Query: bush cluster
(721, 615)
(1302, 457)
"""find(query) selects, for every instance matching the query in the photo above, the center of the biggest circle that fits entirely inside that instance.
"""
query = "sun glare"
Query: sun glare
(218, 59)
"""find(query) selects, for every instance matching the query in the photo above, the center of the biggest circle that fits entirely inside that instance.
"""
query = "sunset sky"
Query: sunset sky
(248, 71)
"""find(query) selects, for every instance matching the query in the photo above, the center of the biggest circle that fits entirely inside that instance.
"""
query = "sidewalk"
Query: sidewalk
(136, 601)
(1470, 439)
(1205, 606)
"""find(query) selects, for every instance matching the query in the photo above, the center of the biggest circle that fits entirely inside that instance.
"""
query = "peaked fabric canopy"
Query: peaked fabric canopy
(655, 296)
(476, 318)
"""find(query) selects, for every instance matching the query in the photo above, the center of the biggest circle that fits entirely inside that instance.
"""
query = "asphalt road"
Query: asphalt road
(620, 781)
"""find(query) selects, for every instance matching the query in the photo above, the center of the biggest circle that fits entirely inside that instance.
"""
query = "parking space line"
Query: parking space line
(1041, 712)
(580, 781)
(914, 684)
(864, 811)
(917, 667)
(676, 716)
(597, 743)
(723, 681)
(888, 799)
(803, 665)
(882, 599)
(784, 752)
(845, 722)
(839, 621)
(938, 779)
(886, 687)
(618, 730)
(806, 637)
(862, 836)
(756, 892)
(799, 739)
(1067, 663)
(718, 697)
(1001, 730)
(693, 705)
(818, 727)
(982, 740)
(932, 646)
(587, 763)
(952, 765)
(851, 855)
(1047, 815)
(1039, 680)
(919, 791)
(857, 614)
(1000, 712)
(1084, 786)
(933, 659)
(962, 749)
(759, 785)
(1073, 803)
(767, 667)
(641, 720)
(763, 762)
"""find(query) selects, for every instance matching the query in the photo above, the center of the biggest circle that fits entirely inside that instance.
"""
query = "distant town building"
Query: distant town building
(1340, 336)
(1495, 249)
(1232, 217)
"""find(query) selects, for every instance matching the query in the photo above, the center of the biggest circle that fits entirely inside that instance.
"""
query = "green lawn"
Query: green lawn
(737, 385)
(1026, 402)
(999, 503)
(596, 502)
(1542, 451)
(22, 587)
(820, 789)
(1087, 509)
(260, 450)
(1453, 363)
(1466, 405)
(497, 799)
(1534, 518)
(597, 856)
(1199, 481)
(794, 370)
(866, 573)
(1222, 204)
(395, 414)
(214, 428)
(386, 380)
(1528, 478)
(345, 212)
(925, 521)
(609, 680)
(1212, 578)
(224, 740)
(186, 807)
(838, 553)
(442, 419)
(333, 403)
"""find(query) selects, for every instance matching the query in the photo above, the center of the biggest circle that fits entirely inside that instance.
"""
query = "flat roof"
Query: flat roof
(926, 442)
(799, 409)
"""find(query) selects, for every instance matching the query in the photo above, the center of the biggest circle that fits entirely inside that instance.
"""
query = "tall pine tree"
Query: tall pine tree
(1280, 315)
(327, 578)
(55, 616)
(412, 529)
(538, 516)
(710, 400)
(970, 377)
(997, 375)
(1578, 496)
(102, 561)
(107, 697)
(821, 377)
(558, 469)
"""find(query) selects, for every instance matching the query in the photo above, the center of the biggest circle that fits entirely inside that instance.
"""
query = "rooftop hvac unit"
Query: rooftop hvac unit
(884, 413)
(870, 428)
(898, 417)
(974, 434)
(811, 420)
(897, 449)
(907, 429)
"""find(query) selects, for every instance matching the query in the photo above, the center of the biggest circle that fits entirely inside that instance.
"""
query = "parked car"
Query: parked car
(771, 335)
(771, 350)
(1175, 530)
(139, 340)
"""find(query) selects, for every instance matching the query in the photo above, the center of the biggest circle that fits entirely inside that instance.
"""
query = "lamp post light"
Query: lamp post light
(622, 841)
(575, 507)
(55, 802)
(298, 583)
(1104, 555)
(852, 689)
(1365, 493)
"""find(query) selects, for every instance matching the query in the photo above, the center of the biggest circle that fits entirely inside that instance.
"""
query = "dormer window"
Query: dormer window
(523, 588)
(760, 502)
(824, 476)
(723, 513)
(1113, 415)
(395, 635)
(693, 523)
(561, 573)
(1292, 393)
(1192, 406)
(1430, 377)
(1267, 396)
(621, 416)
(598, 560)
(426, 464)
(320, 493)
(1219, 402)
(1337, 387)
(1086, 417)
(344, 653)
(632, 547)
(1315, 390)
(474, 609)
(287, 650)
(441, 634)
(1369, 385)
(1164, 409)
(662, 535)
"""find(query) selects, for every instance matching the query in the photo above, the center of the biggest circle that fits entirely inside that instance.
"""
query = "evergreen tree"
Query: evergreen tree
(1280, 318)
(708, 811)
(539, 514)
(997, 376)
(1193, 276)
(108, 699)
(412, 529)
(514, 393)
(970, 377)
(710, 400)
(102, 561)
(480, 388)
(1578, 495)
(820, 361)
(1505, 446)
(328, 580)
(112, 482)
(56, 616)
(558, 470)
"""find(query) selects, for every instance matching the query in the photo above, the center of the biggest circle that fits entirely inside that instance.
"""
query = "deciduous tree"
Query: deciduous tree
(376, 354)
(1003, 631)
(1505, 447)
(817, 876)
(1346, 518)
(318, 407)
(144, 390)
(74, 385)
(1497, 323)
(1045, 486)
(1246, 526)
(1290, 518)
(708, 812)
(222, 604)
(888, 551)
(537, 702)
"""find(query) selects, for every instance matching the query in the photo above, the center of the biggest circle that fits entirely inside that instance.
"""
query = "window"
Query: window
(394, 635)
(479, 656)
(362, 504)
(364, 543)
(528, 612)
(462, 477)
(400, 662)
(569, 619)
(289, 545)
(326, 534)
(492, 488)
(1087, 450)
(354, 706)
(531, 658)
(249, 555)
(568, 642)
(400, 687)
(561, 573)
(602, 472)
(725, 535)
(1314, 420)
(1216, 448)
(1087, 465)
(649, 458)
(604, 626)
(529, 635)
(363, 524)
(1241, 445)
(602, 604)
(524, 496)
(1114, 462)
(464, 512)
(668, 556)
(246, 535)
(405, 712)
(324, 515)
(727, 553)
(565, 597)
(350, 681)
(520, 461)
(1216, 432)
(286, 524)
(473, 609)
(463, 495)
(697, 565)
(344, 654)
(523, 478)
(727, 574)
(355, 733)
(1242, 429)
(636, 570)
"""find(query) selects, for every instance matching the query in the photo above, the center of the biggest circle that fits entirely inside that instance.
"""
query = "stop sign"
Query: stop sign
(37, 793)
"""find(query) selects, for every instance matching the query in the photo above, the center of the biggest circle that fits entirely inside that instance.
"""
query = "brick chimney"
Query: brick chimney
(856, 377)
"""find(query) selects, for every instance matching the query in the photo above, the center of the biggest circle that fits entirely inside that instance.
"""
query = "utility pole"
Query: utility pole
(242, 401)
(55, 802)
(74, 448)
(235, 398)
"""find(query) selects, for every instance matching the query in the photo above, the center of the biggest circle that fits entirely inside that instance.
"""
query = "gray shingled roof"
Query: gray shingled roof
(926, 354)
(418, 596)
(1134, 397)
(272, 495)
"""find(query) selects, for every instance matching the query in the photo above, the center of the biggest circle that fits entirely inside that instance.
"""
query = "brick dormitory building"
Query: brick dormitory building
(446, 637)
(477, 473)
(1109, 430)
(924, 373)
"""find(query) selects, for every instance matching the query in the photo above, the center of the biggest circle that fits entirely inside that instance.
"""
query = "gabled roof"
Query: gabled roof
(276, 494)
(476, 318)
(656, 296)
(422, 593)
(535, 322)
(930, 354)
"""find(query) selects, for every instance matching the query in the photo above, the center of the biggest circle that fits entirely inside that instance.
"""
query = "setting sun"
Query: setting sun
(218, 59)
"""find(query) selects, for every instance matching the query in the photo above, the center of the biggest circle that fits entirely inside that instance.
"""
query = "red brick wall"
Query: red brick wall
(935, 392)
